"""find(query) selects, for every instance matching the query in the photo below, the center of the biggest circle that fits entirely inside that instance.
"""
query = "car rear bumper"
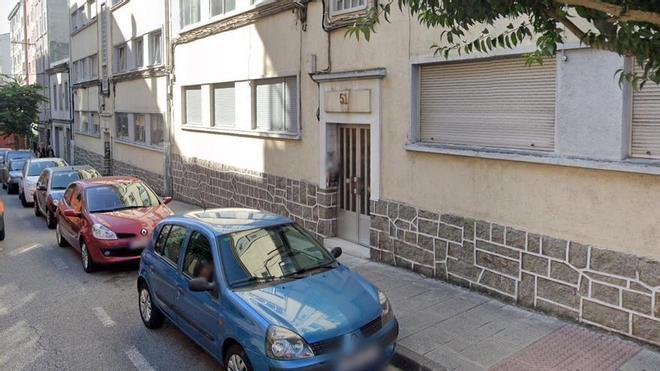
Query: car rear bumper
(114, 251)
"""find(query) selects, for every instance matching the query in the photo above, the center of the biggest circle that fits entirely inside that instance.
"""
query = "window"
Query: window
(497, 103)
(198, 259)
(224, 102)
(60, 92)
(222, 6)
(54, 97)
(66, 96)
(84, 123)
(155, 48)
(93, 123)
(91, 7)
(276, 105)
(345, 6)
(193, 105)
(646, 121)
(159, 246)
(120, 58)
(138, 52)
(190, 12)
(139, 128)
(122, 126)
(92, 61)
(172, 246)
(157, 129)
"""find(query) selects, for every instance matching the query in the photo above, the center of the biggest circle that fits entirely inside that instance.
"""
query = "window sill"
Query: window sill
(140, 145)
(629, 165)
(244, 133)
(87, 25)
(97, 136)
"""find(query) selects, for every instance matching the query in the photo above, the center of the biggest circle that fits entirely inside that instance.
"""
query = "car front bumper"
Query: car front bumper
(385, 340)
(115, 251)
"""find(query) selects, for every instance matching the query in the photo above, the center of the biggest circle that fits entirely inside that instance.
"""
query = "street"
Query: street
(55, 316)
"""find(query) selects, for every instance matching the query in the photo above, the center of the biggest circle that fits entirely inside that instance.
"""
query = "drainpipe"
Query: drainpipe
(168, 55)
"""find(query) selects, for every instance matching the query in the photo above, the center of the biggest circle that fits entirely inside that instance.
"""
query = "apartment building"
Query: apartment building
(5, 56)
(120, 86)
(17, 35)
(60, 108)
(535, 184)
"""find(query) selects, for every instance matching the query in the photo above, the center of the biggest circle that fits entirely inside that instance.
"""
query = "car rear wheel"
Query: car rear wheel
(51, 221)
(37, 212)
(151, 316)
(61, 242)
(236, 359)
(86, 259)
(12, 189)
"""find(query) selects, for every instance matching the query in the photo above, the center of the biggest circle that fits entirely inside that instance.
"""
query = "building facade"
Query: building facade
(120, 79)
(17, 36)
(5, 56)
(535, 184)
(60, 108)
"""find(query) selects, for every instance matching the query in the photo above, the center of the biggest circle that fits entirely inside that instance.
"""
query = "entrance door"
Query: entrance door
(354, 183)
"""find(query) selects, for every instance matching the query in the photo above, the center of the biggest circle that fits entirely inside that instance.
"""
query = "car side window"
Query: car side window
(162, 237)
(173, 244)
(68, 193)
(43, 179)
(198, 260)
(76, 200)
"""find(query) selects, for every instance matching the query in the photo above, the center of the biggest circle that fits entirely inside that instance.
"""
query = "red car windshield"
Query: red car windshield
(121, 196)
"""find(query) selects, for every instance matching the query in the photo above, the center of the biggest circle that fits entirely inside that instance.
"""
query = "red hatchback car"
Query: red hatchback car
(108, 220)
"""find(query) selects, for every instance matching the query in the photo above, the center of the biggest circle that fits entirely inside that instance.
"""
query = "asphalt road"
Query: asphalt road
(53, 315)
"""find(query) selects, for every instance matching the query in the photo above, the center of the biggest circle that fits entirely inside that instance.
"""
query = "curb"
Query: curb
(408, 360)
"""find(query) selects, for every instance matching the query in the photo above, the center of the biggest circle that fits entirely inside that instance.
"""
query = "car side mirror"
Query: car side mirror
(71, 213)
(336, 252)
(200, 284)
(167, 200)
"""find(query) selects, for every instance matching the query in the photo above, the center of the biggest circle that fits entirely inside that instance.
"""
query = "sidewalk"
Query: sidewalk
(447, 327)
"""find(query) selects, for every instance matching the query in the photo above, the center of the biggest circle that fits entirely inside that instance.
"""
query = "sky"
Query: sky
(5, 7)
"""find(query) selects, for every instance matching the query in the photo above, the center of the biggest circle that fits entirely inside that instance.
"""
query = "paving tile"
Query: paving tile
(453, 360)
(488, 352)
(427, 340)
(411, 323)
(645, 360)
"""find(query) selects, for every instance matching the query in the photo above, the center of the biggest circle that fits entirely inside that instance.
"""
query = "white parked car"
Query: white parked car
(31, 172)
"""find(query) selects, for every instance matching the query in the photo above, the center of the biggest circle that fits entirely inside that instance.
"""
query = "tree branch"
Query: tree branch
(616, 11)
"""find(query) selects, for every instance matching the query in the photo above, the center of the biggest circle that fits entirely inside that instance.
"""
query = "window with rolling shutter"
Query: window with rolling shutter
(646, 121)
(193, 105)
(224, 105)
(499, 103)
(276, 105)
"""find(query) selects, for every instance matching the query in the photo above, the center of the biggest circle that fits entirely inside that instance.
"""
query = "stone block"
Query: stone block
(373, 238)
(501, 250)
(534, 243)
(413, 253)
(554, 248)
(564, 272)
(639, 287)
(469, 226)
(535, 264)
(380, 208)
(584, 286)
(440, 247)
(607, 279)
(611, 318)
(407, 213)
(451, 219)
(515, 238)
(427, 227)
(637, 302)
(462, 269)
(402, 225)
(497, 263)
(463, 252)
(613, 262)
(498, 282)
(526, 290)
(379, 223)
(428, 215)
(578, 255)
(604, 293)
(563, 312)
(649, 272)
(497, 233)
(482, 230)
(425, 242)
(410, 237)
(441, 270)
(558, 293)
(392, 210)
(424, 270)
(450, 233)
(646, 328)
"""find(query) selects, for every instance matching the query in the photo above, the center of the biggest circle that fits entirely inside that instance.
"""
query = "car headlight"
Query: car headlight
(101, 232)
(284, 344)
(386, 311)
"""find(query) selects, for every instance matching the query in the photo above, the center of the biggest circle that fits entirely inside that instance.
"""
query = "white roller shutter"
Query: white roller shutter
(646, 121)
(224, 105)
(277, 105)
(193, 105)
(492, 103)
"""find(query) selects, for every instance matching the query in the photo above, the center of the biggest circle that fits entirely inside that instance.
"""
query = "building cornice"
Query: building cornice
(141, 74)
(236, 21)
(87, 84)
(373, 73)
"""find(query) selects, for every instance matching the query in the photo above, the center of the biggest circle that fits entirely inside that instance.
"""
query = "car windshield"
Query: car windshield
(61, 179)
(37, 167)
(16, 165)
(120, 196)
(271, 254)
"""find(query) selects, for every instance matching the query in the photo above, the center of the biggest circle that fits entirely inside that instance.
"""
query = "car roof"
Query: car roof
(107, 180)
(44, 159)
(69, 168)
(230, 220)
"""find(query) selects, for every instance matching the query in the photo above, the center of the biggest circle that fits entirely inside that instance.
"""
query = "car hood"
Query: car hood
(131, 221)
(56, 194)
(15, 173)
(318, 307)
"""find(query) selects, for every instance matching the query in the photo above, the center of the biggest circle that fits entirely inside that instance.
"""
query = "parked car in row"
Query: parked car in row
(8, 181)
(257, 292)
(3, 153)
(31, 172)
(108, 220)
(51, 185)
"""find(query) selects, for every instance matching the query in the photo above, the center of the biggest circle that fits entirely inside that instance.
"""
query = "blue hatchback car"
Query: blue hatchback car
(257, 292)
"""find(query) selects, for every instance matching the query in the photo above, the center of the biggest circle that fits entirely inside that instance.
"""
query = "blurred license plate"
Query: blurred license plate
(138, 244)
(359, 360)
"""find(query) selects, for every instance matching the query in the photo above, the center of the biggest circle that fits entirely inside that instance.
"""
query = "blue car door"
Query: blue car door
(199, 312)
(164, 269)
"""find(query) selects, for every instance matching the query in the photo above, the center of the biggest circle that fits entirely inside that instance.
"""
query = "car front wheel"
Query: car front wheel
(37, 212)
(86, 258)
(51, 221)
(150, 314)
(236, 359)
(61, 242)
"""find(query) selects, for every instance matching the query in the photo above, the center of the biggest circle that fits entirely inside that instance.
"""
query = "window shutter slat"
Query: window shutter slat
(493, 103)
(224, 106)
(646, 121)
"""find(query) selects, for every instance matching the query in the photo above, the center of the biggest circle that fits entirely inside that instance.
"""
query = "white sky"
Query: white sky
(5, 7)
